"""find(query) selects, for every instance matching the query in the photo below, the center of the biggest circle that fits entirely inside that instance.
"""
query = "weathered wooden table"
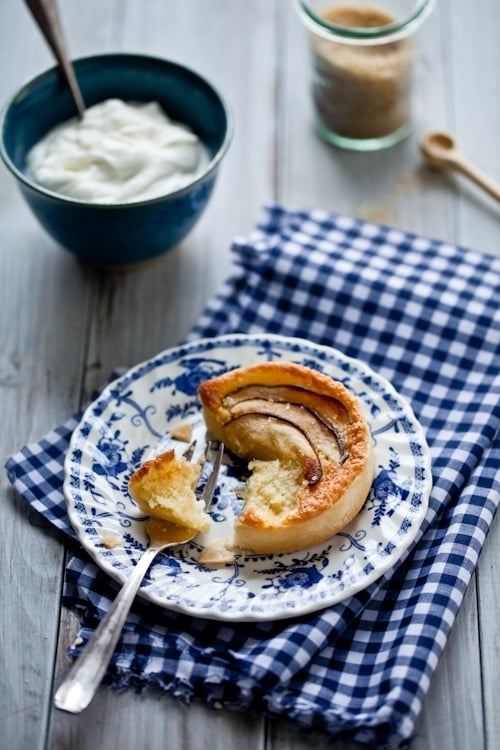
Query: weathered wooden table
(64, 327)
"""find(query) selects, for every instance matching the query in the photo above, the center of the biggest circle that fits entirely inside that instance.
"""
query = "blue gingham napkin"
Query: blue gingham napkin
(425, 315)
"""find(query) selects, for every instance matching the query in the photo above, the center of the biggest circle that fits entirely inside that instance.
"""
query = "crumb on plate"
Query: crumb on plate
(183, 431)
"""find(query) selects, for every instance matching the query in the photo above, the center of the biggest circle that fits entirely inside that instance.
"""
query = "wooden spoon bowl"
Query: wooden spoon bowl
(442, 152)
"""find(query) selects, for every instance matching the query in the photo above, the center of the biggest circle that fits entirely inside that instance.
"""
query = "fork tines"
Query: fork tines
(206, 494)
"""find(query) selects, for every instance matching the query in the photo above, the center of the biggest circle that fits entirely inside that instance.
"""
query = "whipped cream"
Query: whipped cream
(118, 152)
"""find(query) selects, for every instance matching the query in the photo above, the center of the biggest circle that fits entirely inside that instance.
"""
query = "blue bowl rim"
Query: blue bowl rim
(210, 167)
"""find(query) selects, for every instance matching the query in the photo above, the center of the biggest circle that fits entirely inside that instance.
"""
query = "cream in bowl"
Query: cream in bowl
(118, 152)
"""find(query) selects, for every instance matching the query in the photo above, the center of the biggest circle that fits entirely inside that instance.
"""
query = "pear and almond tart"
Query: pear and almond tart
(308, 449)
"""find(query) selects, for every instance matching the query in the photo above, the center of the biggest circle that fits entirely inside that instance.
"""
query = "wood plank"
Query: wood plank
(39, 383)
(488, 592)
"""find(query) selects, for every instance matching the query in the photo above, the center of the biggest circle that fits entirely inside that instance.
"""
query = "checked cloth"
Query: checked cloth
(425, 315)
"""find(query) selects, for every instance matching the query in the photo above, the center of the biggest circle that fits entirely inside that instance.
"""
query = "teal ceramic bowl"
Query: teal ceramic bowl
(125, 233)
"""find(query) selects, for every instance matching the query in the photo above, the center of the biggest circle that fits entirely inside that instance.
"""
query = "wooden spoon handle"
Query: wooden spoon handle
(477, 176)
(46, 14)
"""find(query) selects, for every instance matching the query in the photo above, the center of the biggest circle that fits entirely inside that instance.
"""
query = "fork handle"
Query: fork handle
(79, 687)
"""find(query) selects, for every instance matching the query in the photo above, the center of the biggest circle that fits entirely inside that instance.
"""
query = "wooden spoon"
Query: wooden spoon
(442, 152)
(46, 14)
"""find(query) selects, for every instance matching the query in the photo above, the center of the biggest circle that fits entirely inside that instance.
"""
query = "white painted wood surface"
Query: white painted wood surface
(64, 327)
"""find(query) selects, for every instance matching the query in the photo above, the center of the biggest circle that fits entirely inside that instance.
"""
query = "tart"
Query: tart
(308, 449)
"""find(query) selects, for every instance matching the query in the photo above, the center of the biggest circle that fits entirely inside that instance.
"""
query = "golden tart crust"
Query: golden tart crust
(308, 448)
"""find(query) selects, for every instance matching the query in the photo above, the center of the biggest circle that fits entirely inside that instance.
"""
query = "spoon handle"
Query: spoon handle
(46, 14)
(79, 687)
(477, 176)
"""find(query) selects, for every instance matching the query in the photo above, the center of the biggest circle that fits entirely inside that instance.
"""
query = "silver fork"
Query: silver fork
(81, 683)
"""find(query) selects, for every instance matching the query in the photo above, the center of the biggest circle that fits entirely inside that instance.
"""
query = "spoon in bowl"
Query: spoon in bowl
(442, 152)
(46, 14)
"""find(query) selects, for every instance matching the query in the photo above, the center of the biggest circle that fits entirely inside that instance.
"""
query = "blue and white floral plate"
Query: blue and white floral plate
(132, 420)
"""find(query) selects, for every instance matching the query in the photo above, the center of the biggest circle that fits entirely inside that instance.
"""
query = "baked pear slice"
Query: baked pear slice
(308, 449)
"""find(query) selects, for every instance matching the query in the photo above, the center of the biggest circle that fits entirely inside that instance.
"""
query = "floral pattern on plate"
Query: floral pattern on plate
(133, 419)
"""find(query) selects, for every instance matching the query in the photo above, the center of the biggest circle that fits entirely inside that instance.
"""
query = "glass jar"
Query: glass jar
(362, 60)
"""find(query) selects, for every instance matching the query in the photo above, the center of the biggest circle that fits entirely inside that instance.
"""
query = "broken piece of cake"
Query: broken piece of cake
(164, 487)
(308, 449)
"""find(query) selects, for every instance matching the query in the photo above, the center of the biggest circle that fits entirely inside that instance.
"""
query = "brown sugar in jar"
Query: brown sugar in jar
(362, 69)
(362, 91)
